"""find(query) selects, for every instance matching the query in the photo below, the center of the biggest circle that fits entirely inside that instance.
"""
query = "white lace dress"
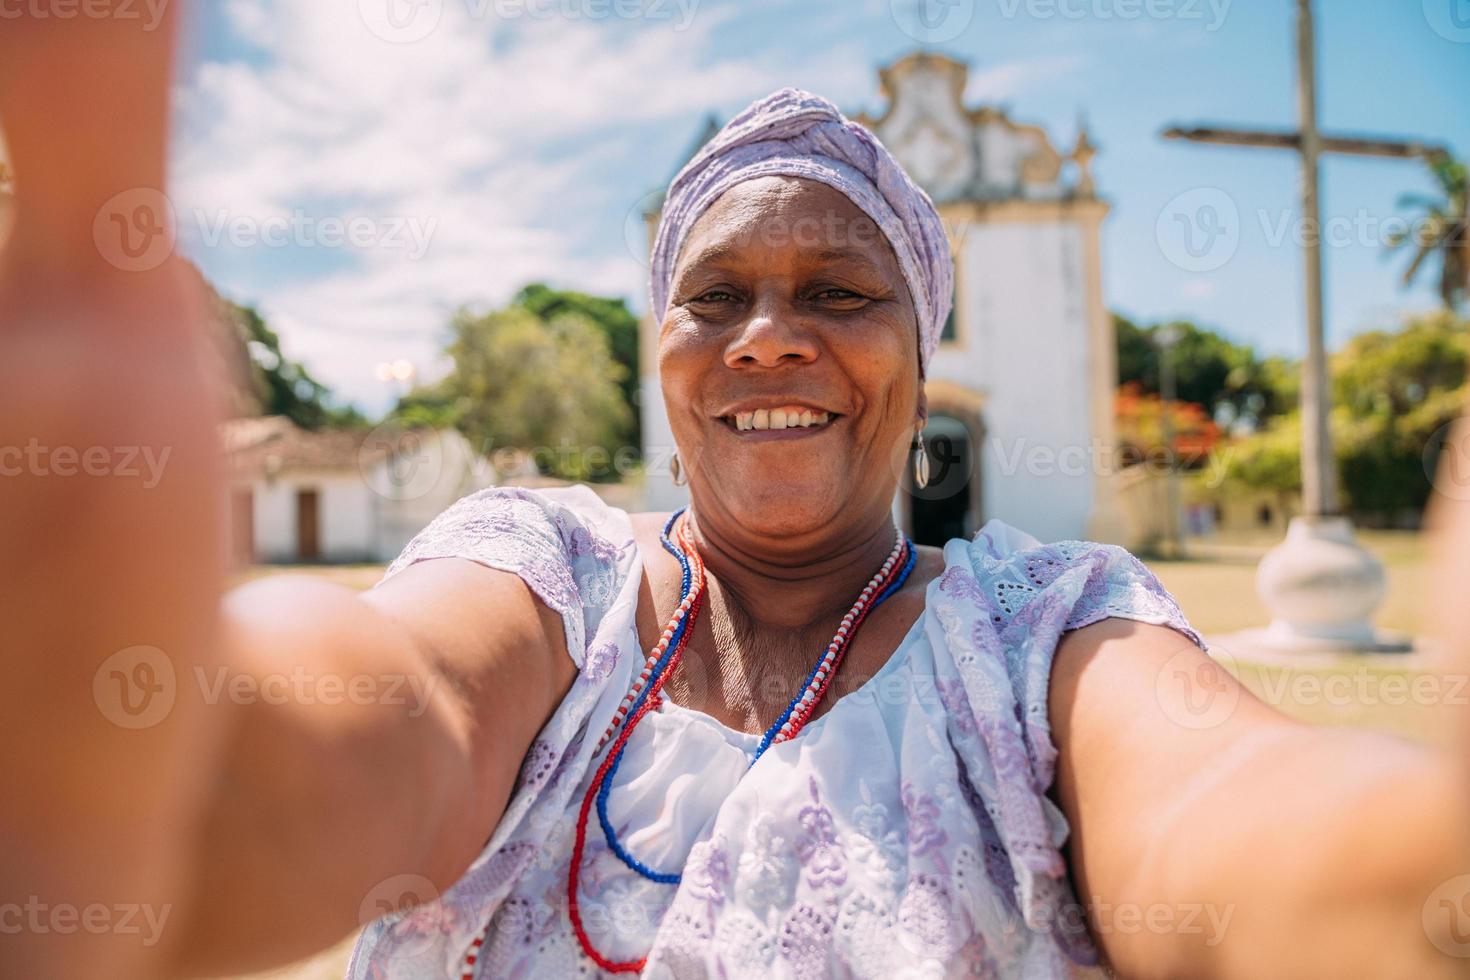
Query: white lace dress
(905, 833)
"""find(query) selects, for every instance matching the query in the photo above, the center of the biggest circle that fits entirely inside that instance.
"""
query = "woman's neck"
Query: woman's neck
(794, 591)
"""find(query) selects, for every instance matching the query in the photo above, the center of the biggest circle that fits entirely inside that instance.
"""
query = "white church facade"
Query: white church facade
(1021, 390)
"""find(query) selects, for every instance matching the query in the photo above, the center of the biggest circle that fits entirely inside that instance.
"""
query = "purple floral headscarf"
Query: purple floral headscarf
(798, 134)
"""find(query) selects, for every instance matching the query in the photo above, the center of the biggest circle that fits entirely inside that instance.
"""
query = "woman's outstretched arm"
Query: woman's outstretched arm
(372, 753)
(172, 802)
(1215, 838)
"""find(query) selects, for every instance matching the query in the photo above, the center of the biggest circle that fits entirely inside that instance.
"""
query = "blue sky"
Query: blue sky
(503, 146)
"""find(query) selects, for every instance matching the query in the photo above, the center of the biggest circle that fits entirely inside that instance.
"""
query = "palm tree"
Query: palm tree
(1442, 229)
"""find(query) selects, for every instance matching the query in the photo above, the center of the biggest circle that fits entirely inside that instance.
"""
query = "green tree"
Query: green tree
(608, 314)
(1441, 231)
(549, 386)
(1392, 392)
(1227, 378)
(278, 385)
(1269, 460)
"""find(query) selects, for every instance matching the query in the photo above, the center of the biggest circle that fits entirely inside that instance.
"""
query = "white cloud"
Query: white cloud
(1011, 78)
(465, 130)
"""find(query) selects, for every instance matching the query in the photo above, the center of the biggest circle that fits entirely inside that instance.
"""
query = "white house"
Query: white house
(338, 495)
(1021, 389)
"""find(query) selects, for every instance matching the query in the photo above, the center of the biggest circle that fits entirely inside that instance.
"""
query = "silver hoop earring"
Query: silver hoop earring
(676, 470)
(921, 465)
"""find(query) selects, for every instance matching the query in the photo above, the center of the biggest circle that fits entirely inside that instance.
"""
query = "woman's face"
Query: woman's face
(788, 305)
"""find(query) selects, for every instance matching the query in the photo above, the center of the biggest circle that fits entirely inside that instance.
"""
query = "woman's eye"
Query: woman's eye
(837, 293)
(715, 296)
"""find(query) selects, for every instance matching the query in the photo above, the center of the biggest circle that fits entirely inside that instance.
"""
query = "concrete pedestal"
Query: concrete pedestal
(1322, 587)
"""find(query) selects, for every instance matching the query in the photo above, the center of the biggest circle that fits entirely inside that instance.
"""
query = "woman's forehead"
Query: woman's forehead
(793, 214)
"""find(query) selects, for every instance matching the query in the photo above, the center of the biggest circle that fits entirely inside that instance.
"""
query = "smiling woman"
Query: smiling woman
(764, 735)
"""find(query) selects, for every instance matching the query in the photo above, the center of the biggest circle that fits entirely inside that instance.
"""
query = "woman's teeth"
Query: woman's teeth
(779, 418)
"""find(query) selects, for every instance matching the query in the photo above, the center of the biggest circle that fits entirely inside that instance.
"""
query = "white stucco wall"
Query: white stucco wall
(1025, 348)
(345, 521)
(660, 494)
(367, 514)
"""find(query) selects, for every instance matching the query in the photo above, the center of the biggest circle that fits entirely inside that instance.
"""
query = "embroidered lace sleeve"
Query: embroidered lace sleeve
(1003, 612)
(550, 538)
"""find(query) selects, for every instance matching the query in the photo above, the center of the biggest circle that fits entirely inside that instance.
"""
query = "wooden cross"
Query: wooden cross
(1319, 473)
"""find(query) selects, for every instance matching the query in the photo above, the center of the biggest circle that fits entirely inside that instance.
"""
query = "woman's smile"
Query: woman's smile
(779, 422)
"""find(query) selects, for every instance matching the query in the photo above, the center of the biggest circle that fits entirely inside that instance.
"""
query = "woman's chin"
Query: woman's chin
(787, 509)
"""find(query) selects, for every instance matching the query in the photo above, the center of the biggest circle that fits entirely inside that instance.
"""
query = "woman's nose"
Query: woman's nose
(772, 335)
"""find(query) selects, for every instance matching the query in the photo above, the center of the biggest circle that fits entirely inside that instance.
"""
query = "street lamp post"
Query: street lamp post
(1167, 337)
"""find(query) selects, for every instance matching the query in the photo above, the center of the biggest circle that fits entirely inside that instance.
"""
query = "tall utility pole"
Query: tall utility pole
(1169, 336)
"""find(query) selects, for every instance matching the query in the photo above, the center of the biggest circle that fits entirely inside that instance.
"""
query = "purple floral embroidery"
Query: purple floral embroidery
(551, 579)
(956, 704)
(925, 833)
(601, 660)
(581, 541)
(707, 876)
(1027, 835)
(512, 930)
(492, 878)
(819, 850)
(959, 583)
(536, 768)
